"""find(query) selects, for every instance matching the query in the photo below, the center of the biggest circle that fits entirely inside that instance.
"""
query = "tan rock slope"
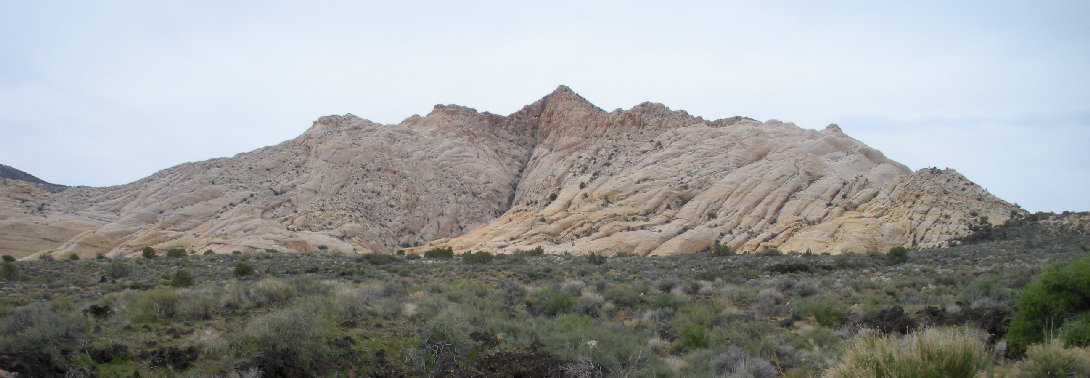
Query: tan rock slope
(560, 173)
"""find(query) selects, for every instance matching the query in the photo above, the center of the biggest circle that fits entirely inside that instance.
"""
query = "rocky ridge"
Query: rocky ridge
(560, 173)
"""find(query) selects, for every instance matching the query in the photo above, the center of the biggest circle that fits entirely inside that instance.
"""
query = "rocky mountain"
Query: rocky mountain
(560, 173)
(11, 173)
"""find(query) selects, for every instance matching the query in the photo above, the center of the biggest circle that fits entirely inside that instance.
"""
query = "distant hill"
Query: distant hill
(7, 172)
(560, 174)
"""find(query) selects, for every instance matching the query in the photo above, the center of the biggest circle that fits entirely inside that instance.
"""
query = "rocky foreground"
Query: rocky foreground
(560, 174)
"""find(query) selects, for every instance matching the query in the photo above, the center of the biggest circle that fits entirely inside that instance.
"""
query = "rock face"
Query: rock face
(560, 173)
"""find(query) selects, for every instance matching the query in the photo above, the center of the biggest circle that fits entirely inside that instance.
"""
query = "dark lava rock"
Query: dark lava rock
(98, 311)
(892, 320)
(109, 353)
(284, 363)
(30, 364)
(177, 359)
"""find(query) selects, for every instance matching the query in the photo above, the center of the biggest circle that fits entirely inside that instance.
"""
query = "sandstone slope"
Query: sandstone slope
(560, 173)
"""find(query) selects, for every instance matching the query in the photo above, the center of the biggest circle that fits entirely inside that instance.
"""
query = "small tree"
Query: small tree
(1061, 294)
(73, 256)
(596, 259)
(243, 269)
(897, 255)
(480, 257)
(720, 250)
(182, 278)
(148, 252)
(8, 271)
(9, 258)
(440, 253)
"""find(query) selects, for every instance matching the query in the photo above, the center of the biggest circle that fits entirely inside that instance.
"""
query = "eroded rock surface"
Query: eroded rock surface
(560, 173)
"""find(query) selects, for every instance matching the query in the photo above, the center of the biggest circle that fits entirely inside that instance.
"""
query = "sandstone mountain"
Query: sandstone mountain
(560, 173)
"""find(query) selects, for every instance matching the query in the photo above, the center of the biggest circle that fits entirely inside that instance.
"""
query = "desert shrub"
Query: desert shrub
(511, 293)
(720, 250)
(671, 301)
(379, 259)
(175, 253)
(242, 269)
(9, 258)
(595, 259)
(45, 257)
(610, 346)
(73, 256)
(439, 253)
(161, 303)
(770, 302)
(1076, 331)
(182, 278)
(897, 256)
(444, 339)
(555, 302)
(479, 257)
(693, 336)
(537, 251)
(666, 285)
(983, 287)
(826, 310)
(271, 292)
(43, 327)
(148, 252)
(195, 305)
(1062, 291)
(934, 352)
(295, 329)
(118, 269)
(1051, 359)
(735, 362)
(623, 295)
(8, 271)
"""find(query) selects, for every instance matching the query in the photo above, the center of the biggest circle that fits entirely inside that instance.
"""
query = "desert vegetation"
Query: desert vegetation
(1003, 307)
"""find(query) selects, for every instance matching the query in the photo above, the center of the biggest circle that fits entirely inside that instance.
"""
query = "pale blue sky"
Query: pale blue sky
(104, 93)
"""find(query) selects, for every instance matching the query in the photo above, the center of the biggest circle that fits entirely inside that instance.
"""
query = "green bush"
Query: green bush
(440, 253)
(8, 271)
(296, 329)
(623, 295)
(117, 269)
(720, 250)
(175, 253)
(182, 278)
(934, 352)
(670, 301)
(826, 310)
(243, 269)
(480, 257)
(897, 255)
(73, 256)
(555, 302)
(43, 327)
(1061, 292)
(9, 258)
(148, 252)
(1076, 331)
(693, 336)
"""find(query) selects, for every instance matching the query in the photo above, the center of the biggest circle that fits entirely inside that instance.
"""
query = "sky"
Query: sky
(106, 92)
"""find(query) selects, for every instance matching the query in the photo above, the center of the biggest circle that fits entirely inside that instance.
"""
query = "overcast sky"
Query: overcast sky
(106, 92)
